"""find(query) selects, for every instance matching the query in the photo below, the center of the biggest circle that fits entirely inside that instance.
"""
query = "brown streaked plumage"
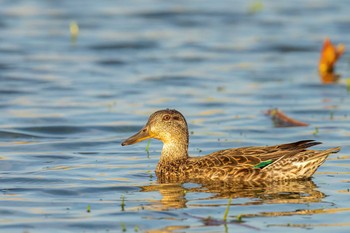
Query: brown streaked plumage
(292, 161)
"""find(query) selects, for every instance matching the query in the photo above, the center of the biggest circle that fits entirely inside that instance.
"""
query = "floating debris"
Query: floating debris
(280, 119)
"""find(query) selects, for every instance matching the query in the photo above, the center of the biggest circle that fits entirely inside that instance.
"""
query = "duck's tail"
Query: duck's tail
(299, 164)
(315, 161)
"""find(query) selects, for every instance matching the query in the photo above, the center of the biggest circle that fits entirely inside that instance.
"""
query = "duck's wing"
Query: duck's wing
(284, 161)
(258, 154)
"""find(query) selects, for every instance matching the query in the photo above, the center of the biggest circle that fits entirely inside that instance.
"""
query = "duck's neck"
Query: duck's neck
(173, 152)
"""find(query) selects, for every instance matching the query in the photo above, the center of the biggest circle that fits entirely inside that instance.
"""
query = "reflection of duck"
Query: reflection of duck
(255, 164)
(291, 192)
(173, 196)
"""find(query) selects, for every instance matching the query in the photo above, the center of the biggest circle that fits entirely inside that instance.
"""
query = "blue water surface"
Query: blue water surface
(67, 103)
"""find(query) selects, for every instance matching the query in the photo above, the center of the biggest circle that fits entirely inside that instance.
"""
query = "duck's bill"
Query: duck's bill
(138, 137)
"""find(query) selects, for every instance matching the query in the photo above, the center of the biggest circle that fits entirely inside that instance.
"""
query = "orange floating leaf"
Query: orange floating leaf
(280, 119)
(329, 56)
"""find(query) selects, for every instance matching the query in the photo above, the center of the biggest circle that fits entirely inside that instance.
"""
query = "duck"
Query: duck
(282, 162)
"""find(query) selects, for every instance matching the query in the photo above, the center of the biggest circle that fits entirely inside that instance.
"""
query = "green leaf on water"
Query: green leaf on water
(74, 30)
(255, 7)
(88, 209)
(263, 163)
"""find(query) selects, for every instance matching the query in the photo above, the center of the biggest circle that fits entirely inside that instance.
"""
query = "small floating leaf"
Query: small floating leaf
(263, 163)
(136, 228)
(74, 30)
(255, 7)
(88, 209)
(348, 85)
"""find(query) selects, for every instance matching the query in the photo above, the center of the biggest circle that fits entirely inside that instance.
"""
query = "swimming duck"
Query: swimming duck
(292, 161)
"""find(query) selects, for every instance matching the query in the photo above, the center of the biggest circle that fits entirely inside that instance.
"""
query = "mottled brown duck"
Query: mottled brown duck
(292, 161)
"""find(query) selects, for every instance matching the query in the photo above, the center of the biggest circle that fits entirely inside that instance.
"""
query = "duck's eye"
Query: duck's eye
(166, 118)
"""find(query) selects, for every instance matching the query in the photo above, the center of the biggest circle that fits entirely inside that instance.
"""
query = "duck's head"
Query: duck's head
(168, 126)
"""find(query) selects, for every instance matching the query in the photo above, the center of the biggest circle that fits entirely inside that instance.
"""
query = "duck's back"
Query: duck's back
(281, 162)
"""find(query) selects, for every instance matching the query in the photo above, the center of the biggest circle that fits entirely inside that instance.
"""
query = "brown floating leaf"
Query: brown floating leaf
(329, 56)
(280, 119)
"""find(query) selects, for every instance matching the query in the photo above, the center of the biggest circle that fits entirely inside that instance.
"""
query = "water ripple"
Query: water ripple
(17, 135)
(111, 62)
(136, 45)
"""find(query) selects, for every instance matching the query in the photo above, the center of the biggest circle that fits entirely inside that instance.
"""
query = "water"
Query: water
(66, 105)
